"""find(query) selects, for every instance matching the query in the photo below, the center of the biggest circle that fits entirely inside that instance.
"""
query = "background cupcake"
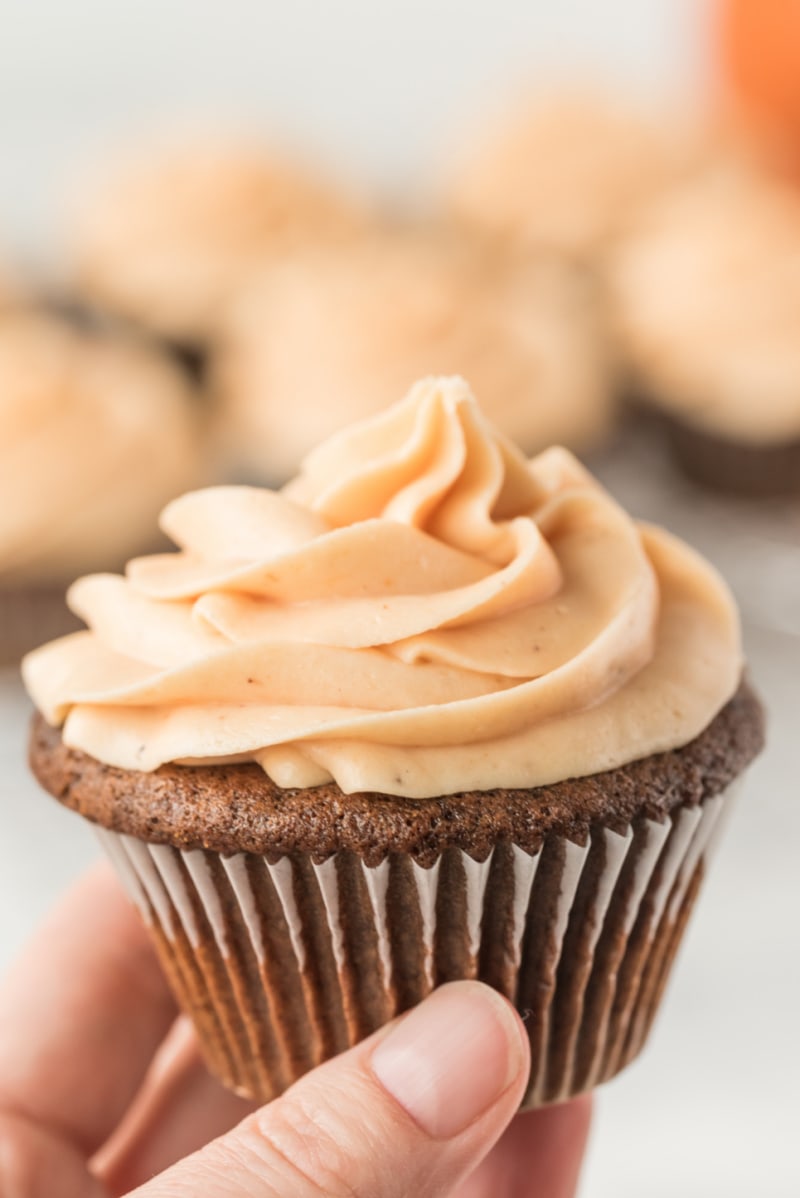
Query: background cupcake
(389, 116)
(335, 334)
(566, 170)
(413, 766)
(96, 433)
(9, 287)
(706, 296)
(168, 237)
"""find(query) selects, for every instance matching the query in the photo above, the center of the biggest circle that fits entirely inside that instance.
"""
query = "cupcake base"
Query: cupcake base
(76, 310)
(283, 963)
(732, 466)
(291, 924)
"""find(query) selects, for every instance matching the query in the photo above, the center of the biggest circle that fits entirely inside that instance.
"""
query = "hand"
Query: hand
(424, 1107)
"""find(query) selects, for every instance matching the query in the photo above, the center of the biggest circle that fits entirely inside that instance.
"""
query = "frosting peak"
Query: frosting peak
(432, 462)
(421, 611)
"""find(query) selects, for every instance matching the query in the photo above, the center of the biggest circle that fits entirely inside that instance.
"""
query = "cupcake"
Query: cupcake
(335, 334)
(11, 289)
(566, 170)
(430, 712)
(706, 296)
(97, 433)
(168, 237)
(6, 291)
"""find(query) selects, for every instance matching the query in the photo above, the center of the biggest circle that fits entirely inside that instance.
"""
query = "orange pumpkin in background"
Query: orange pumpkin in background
(759, 54)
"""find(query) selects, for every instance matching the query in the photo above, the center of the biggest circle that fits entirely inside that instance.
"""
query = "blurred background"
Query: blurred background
(227, 229)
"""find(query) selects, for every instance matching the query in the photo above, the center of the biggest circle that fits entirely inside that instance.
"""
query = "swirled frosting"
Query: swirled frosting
(706, 292)
(420, 612)
(96, 433)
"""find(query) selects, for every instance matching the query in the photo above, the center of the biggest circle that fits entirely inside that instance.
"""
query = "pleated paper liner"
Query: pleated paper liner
(283, 962)
(736, 468)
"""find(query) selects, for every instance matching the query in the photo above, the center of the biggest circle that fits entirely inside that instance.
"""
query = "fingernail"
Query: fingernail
(451, 1058)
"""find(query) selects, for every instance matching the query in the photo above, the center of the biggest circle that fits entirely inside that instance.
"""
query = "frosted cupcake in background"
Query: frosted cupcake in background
(432, 711)
(705, 294)
(96, 433)
(9, 286)
(335, 334)
(566, 170)
(167, 237)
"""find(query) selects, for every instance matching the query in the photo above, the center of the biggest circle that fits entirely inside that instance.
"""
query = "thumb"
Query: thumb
(411, 1110)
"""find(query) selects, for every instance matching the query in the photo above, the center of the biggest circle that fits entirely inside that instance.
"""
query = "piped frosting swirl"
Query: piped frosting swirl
(420, 612)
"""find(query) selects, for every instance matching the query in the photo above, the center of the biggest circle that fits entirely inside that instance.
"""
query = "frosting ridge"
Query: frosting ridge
(421, 611)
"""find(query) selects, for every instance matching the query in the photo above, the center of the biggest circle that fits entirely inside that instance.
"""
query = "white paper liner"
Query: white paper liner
(620, 898)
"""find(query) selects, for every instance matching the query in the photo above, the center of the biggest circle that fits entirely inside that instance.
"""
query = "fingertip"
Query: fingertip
(518, 1035)
(454, 1057)
(509, 1020)
(411, 1110)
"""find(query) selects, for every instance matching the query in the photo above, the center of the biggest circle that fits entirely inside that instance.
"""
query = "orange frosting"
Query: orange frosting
(336, 334)
(706, 297)
(421, 611)
(168, 239)
(567, 170)
(96, 433)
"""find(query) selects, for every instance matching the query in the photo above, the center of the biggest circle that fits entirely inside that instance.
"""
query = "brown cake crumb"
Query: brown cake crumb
(237, 808)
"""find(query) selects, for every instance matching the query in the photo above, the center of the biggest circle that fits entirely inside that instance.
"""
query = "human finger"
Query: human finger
(35, 1162)
(540, 1153)
(412, 1110)
(179, 1109)
(81, 1014)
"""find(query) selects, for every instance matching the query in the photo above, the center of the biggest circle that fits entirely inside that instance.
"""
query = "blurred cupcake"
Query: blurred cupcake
(333, 335)
(9, 287)
(169, 237)
(706, 296)
(566, 171)
(96, 432)
(431, 712)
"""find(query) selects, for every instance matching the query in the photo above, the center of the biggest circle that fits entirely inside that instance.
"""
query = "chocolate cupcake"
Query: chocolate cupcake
(98, 431)
(432, 711)
(706, 297)
(526, 330)
(168, 237)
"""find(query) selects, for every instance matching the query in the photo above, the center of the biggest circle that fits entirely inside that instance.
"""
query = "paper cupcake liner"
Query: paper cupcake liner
(282, 962)
(750, 470)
